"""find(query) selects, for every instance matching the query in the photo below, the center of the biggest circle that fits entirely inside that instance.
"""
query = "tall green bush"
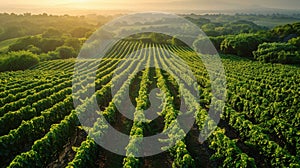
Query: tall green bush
(277, 53)
(242, 45)
(20, 60)
(65, 52)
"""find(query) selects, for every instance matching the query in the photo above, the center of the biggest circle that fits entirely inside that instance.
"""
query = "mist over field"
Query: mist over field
(78, 7)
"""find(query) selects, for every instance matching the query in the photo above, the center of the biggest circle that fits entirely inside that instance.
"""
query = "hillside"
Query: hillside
(258, 127)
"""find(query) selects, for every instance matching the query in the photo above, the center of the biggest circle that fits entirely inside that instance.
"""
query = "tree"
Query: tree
(12, 32)
(242, 44)
(80, 32)
(281, 33)
(217, 41)
(20, 60)
(65, 52)
(73, 42)
(51, 55)
(25, 43)
(34, 49)
(50, 44)
(52, 32)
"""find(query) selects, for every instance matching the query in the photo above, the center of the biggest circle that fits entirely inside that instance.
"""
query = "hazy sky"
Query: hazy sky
(150, 4)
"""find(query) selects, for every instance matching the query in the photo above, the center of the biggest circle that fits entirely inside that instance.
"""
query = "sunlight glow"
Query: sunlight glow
(147, 5)
(74, 1)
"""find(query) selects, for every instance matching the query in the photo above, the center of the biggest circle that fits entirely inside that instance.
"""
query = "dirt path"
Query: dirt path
(68, 154)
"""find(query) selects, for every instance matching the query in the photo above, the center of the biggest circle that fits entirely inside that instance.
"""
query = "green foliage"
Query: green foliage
(52, 32)
(50, 44)
(48, 48)
(278, 156)
(211, 29)
(66, 52)
(228, 152)
(85, 155)
(80, 32)
(262, 103)
(231, 28)
(156, 38)
(24, 43)
(198, 21)
(12, 31)
(44, 149)
(282, 33)
(263, 100)
(204, 46)
(34, 129)
(242, 44)
(75, 43)
(182, 157)
(51, 55)
(19, 25)
(4, 45)
(176, 41)
(21, 60)
(130, 162)
(295, 42)
(217, 41)
(277, 53)
(33, 49)
(37, 44)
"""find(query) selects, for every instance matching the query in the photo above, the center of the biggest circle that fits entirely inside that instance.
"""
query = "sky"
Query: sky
(146, 5)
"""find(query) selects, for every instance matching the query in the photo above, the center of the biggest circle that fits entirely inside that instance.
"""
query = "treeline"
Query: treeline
(52, 44)
(279, 45)
(225, 28)
(156, 38)
(44, 37)
(60, 37)
(19, 25)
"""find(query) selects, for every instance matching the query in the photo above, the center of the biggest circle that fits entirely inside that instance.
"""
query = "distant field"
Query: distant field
(270, 23)
(267, 21)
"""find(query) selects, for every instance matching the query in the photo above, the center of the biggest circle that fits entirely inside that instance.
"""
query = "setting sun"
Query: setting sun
(76, 1)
